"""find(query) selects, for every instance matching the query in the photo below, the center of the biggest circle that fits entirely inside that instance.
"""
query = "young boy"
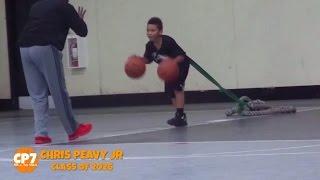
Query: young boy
(159, 48)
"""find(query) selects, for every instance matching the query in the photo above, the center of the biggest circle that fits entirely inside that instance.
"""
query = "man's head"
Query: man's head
(154, 28)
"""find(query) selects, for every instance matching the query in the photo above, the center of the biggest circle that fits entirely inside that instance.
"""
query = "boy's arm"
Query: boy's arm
(146, 61)
(177, 51)
(147, 55)
(73, 20)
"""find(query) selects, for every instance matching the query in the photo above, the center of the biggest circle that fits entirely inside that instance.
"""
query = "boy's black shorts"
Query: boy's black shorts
(179, 84)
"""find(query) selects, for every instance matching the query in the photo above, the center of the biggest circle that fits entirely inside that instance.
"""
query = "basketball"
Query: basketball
(135, 67)
(168, 70)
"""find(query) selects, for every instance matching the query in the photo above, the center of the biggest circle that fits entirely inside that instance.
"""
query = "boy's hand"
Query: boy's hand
(179, 59)
(133, 56)
(142, 58)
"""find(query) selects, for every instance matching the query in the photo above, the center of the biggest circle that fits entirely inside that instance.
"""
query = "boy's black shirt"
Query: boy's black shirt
(169, 48)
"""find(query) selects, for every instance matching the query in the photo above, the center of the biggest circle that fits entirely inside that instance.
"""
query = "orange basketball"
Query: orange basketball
(168, 70)
(135, 67)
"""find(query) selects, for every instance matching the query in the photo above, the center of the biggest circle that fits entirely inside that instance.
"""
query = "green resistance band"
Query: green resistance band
(241, 104)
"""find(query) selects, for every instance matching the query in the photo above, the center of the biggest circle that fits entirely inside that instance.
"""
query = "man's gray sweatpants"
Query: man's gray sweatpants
(43, 71)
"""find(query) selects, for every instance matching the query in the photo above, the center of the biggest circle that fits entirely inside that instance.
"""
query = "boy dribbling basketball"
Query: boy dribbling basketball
(162, 47)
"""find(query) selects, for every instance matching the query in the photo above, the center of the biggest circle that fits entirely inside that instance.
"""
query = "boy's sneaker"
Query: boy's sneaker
(178, 121)
(82, 130)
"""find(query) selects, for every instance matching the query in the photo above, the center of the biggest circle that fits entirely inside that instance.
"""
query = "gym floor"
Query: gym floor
(283, 146)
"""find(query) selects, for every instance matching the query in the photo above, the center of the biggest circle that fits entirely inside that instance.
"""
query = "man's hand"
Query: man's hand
(81, 12)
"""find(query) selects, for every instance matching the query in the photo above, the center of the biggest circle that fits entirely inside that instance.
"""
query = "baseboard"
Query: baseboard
(145, 99)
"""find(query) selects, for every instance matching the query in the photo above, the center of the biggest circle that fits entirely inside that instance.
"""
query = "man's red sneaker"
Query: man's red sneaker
(82, 130)
(42, 140)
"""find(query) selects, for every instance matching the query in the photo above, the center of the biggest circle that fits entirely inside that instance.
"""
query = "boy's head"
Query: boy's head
(154, 28)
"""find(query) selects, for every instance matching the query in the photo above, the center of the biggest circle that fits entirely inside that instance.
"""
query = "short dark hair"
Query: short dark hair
(156, 21)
